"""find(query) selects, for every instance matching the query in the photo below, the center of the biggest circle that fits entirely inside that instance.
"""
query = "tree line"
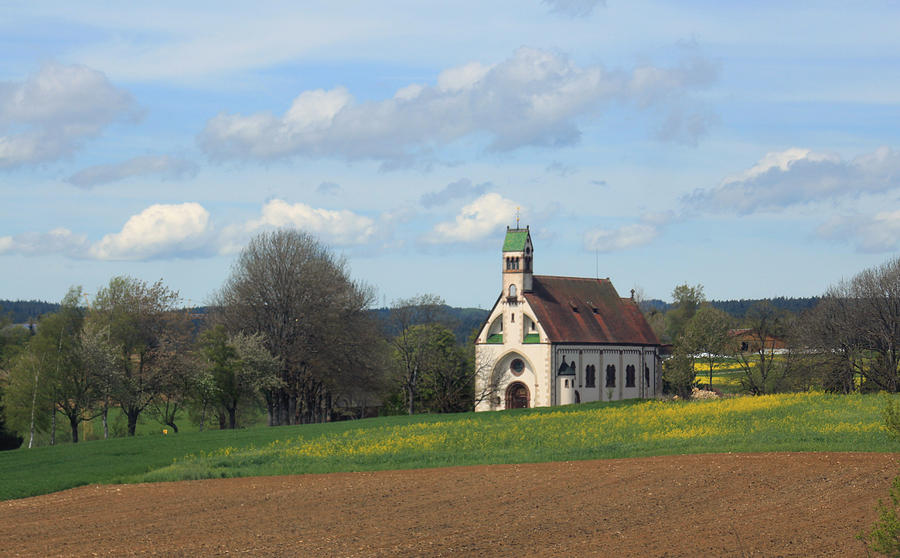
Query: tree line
(289, 333)
(849, 341)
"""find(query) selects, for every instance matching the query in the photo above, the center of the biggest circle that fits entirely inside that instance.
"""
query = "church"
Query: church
(559, 340)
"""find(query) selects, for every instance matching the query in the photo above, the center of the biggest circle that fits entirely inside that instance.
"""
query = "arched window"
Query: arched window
(646, 375)
(590, 373)
(610, 376)
(512, 291)
(629, 375)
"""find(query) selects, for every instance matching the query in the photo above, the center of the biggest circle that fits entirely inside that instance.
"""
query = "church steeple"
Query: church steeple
(518, 254)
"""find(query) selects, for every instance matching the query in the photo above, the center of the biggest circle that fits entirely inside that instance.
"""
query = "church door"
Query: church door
(517, 396)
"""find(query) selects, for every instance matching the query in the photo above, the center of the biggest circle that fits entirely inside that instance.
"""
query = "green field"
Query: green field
(790, 422)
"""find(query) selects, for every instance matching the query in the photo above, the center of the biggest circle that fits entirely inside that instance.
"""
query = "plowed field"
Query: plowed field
(806, 504)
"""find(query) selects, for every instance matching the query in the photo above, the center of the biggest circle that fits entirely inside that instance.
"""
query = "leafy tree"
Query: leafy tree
(144, 325)
(290, 288)
(241, 368)
(678, 373)
(447, 379)
(29, 397)
(415, 322)
(98, 356)
(72, 382)
(687, 300)
(706, 336)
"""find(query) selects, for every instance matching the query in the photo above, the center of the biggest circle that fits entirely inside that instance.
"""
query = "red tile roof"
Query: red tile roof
(576, 310)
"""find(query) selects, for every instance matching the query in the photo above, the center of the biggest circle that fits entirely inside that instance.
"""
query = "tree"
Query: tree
(241, 368)
(446, 383)
(414, 322)
(73, 384)
(12, 341)
(679, 374)
(290, 288)
(29, 399)
(707, 336)
(8, 439)
(99, 357)
(687, 301)
(143, 320)
(762, 372)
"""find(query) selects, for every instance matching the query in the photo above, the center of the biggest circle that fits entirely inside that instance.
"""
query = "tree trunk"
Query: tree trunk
(33, 402)
(232, 417)
(105, 422)
(73, 422)
(53, 427)
(132, 420)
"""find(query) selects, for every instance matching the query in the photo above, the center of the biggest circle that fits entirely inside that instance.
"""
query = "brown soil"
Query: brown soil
(802, 504)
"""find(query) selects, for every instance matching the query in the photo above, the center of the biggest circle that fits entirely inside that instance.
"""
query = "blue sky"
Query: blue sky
(754, 149)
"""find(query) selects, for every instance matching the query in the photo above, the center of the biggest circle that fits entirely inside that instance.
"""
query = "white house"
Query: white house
(559, 340)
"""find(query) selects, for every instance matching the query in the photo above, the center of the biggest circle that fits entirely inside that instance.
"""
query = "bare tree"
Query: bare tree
(857, 323)
(762, 373)
(290, 288)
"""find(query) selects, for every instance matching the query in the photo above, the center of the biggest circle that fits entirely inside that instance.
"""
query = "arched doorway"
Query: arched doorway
(517, 396)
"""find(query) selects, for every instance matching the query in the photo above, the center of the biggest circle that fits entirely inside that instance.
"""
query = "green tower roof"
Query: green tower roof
(515, 240)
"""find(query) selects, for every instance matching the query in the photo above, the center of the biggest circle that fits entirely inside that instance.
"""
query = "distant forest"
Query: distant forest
(24, 311)
(462, 320)
(738, 308)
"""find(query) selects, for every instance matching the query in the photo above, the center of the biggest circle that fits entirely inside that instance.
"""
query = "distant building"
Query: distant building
(750, 341)
(559, 340)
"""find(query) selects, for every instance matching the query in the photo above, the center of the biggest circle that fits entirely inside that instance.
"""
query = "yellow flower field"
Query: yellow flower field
(788, 422)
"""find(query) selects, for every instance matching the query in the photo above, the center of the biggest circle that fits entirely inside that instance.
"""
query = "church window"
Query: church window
(577, 397)
(629, 375)
(646, 375)
(517, 366)
(566, 382)
(512, 291)
(590, 376)
(512, 318)
(610, 376)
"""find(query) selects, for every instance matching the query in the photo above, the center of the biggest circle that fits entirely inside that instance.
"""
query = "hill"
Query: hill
(24, 311)
(738, 308)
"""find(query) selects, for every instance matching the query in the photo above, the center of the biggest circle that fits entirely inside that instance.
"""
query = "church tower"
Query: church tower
(518, 255)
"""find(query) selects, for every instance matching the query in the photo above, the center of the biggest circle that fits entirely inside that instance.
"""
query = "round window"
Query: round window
(517, 366)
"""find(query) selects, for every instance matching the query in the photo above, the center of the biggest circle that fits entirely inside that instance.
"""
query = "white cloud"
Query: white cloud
(800, 176)
(476, 220)
(168, 167)
(159, 231)
(622, 238)
(535, 97)
(53, 111)
(874, 234)
(57, 241)
(340, 227)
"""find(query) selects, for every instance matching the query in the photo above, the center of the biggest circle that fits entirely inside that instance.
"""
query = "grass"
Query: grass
(790, 422)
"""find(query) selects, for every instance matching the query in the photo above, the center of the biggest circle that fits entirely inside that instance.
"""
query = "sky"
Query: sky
(753, 148)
